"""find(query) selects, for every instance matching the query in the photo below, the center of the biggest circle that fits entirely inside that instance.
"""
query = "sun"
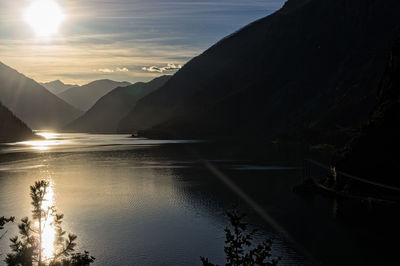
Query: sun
(44, 16)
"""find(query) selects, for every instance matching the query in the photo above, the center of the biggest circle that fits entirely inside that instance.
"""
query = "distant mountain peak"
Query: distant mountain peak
(57, 81)
(31, 102)
(85, 96)
(108, 81)
(54, 82)
(57, 86)
(105, 114)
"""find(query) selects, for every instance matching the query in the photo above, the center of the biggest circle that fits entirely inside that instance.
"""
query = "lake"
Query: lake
(134, 201)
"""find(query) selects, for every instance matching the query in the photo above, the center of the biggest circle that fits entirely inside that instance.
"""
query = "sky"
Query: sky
(123, 40)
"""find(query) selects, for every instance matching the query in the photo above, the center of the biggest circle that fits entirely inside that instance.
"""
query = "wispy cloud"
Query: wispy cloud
(80, 63)
(124, 69)
(108, 70)
(124, 39)
(159, 69)
(105, 70)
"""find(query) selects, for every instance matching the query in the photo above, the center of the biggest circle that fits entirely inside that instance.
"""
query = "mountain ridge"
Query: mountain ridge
(104, 115)
(305, 67)
(31, 102)
(83, 97)
(12, 128)
(57, 86)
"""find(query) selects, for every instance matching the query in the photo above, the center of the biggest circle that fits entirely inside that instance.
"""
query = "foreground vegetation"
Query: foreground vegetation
(28, 248)
(239, 248)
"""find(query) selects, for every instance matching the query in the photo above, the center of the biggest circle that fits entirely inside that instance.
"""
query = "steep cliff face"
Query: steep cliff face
(313, 65)
(11, 128)
(374, 152)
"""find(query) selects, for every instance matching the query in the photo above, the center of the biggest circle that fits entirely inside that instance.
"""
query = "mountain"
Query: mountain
(33, 103)
(84, 97)
(57, 86)
(104, 116)
(11, 128)
(312, 67)
(374, 152)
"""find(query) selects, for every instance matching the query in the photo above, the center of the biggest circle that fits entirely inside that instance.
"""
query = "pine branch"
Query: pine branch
(70, 246)
(3, 234)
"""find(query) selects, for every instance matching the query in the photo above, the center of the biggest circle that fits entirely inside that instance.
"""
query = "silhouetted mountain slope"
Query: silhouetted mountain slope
(84, 97)
(312, 64)
(374, 152)
(57, 86)
(11, 128)
(105, 115)
(31, 102)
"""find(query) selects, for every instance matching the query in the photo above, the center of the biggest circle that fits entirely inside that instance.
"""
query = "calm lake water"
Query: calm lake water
(148, 202)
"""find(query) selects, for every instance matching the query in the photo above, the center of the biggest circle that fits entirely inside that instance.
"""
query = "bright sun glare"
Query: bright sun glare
(49, 231)
(44, 16)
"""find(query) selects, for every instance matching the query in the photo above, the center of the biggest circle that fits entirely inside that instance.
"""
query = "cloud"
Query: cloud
(124, 69)
(109, 70)
(104, 34)
(105, 70)
(159, 69)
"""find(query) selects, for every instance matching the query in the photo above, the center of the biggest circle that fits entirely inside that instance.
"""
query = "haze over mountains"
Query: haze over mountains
(57, 86)
(84, 97)
(32, 103)
(105, 115)
(310, 69)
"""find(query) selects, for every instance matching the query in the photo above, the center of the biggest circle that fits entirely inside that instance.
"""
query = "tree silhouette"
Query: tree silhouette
(3, 221)
(28, 249)
(238, 242)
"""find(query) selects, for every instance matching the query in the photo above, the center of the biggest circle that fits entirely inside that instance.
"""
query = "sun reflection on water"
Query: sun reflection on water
(47, 135)
(50, 140)
(48, 229)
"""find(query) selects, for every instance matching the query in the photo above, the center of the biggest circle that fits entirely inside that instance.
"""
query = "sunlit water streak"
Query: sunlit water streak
(48, 135)
(50, 140)
(49, 233)
(153, 203)
(71, 142)
(48, 229)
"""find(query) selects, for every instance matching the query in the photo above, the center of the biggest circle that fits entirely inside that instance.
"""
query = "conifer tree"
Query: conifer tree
(3, 221)
(238, 249)
(27, 249)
